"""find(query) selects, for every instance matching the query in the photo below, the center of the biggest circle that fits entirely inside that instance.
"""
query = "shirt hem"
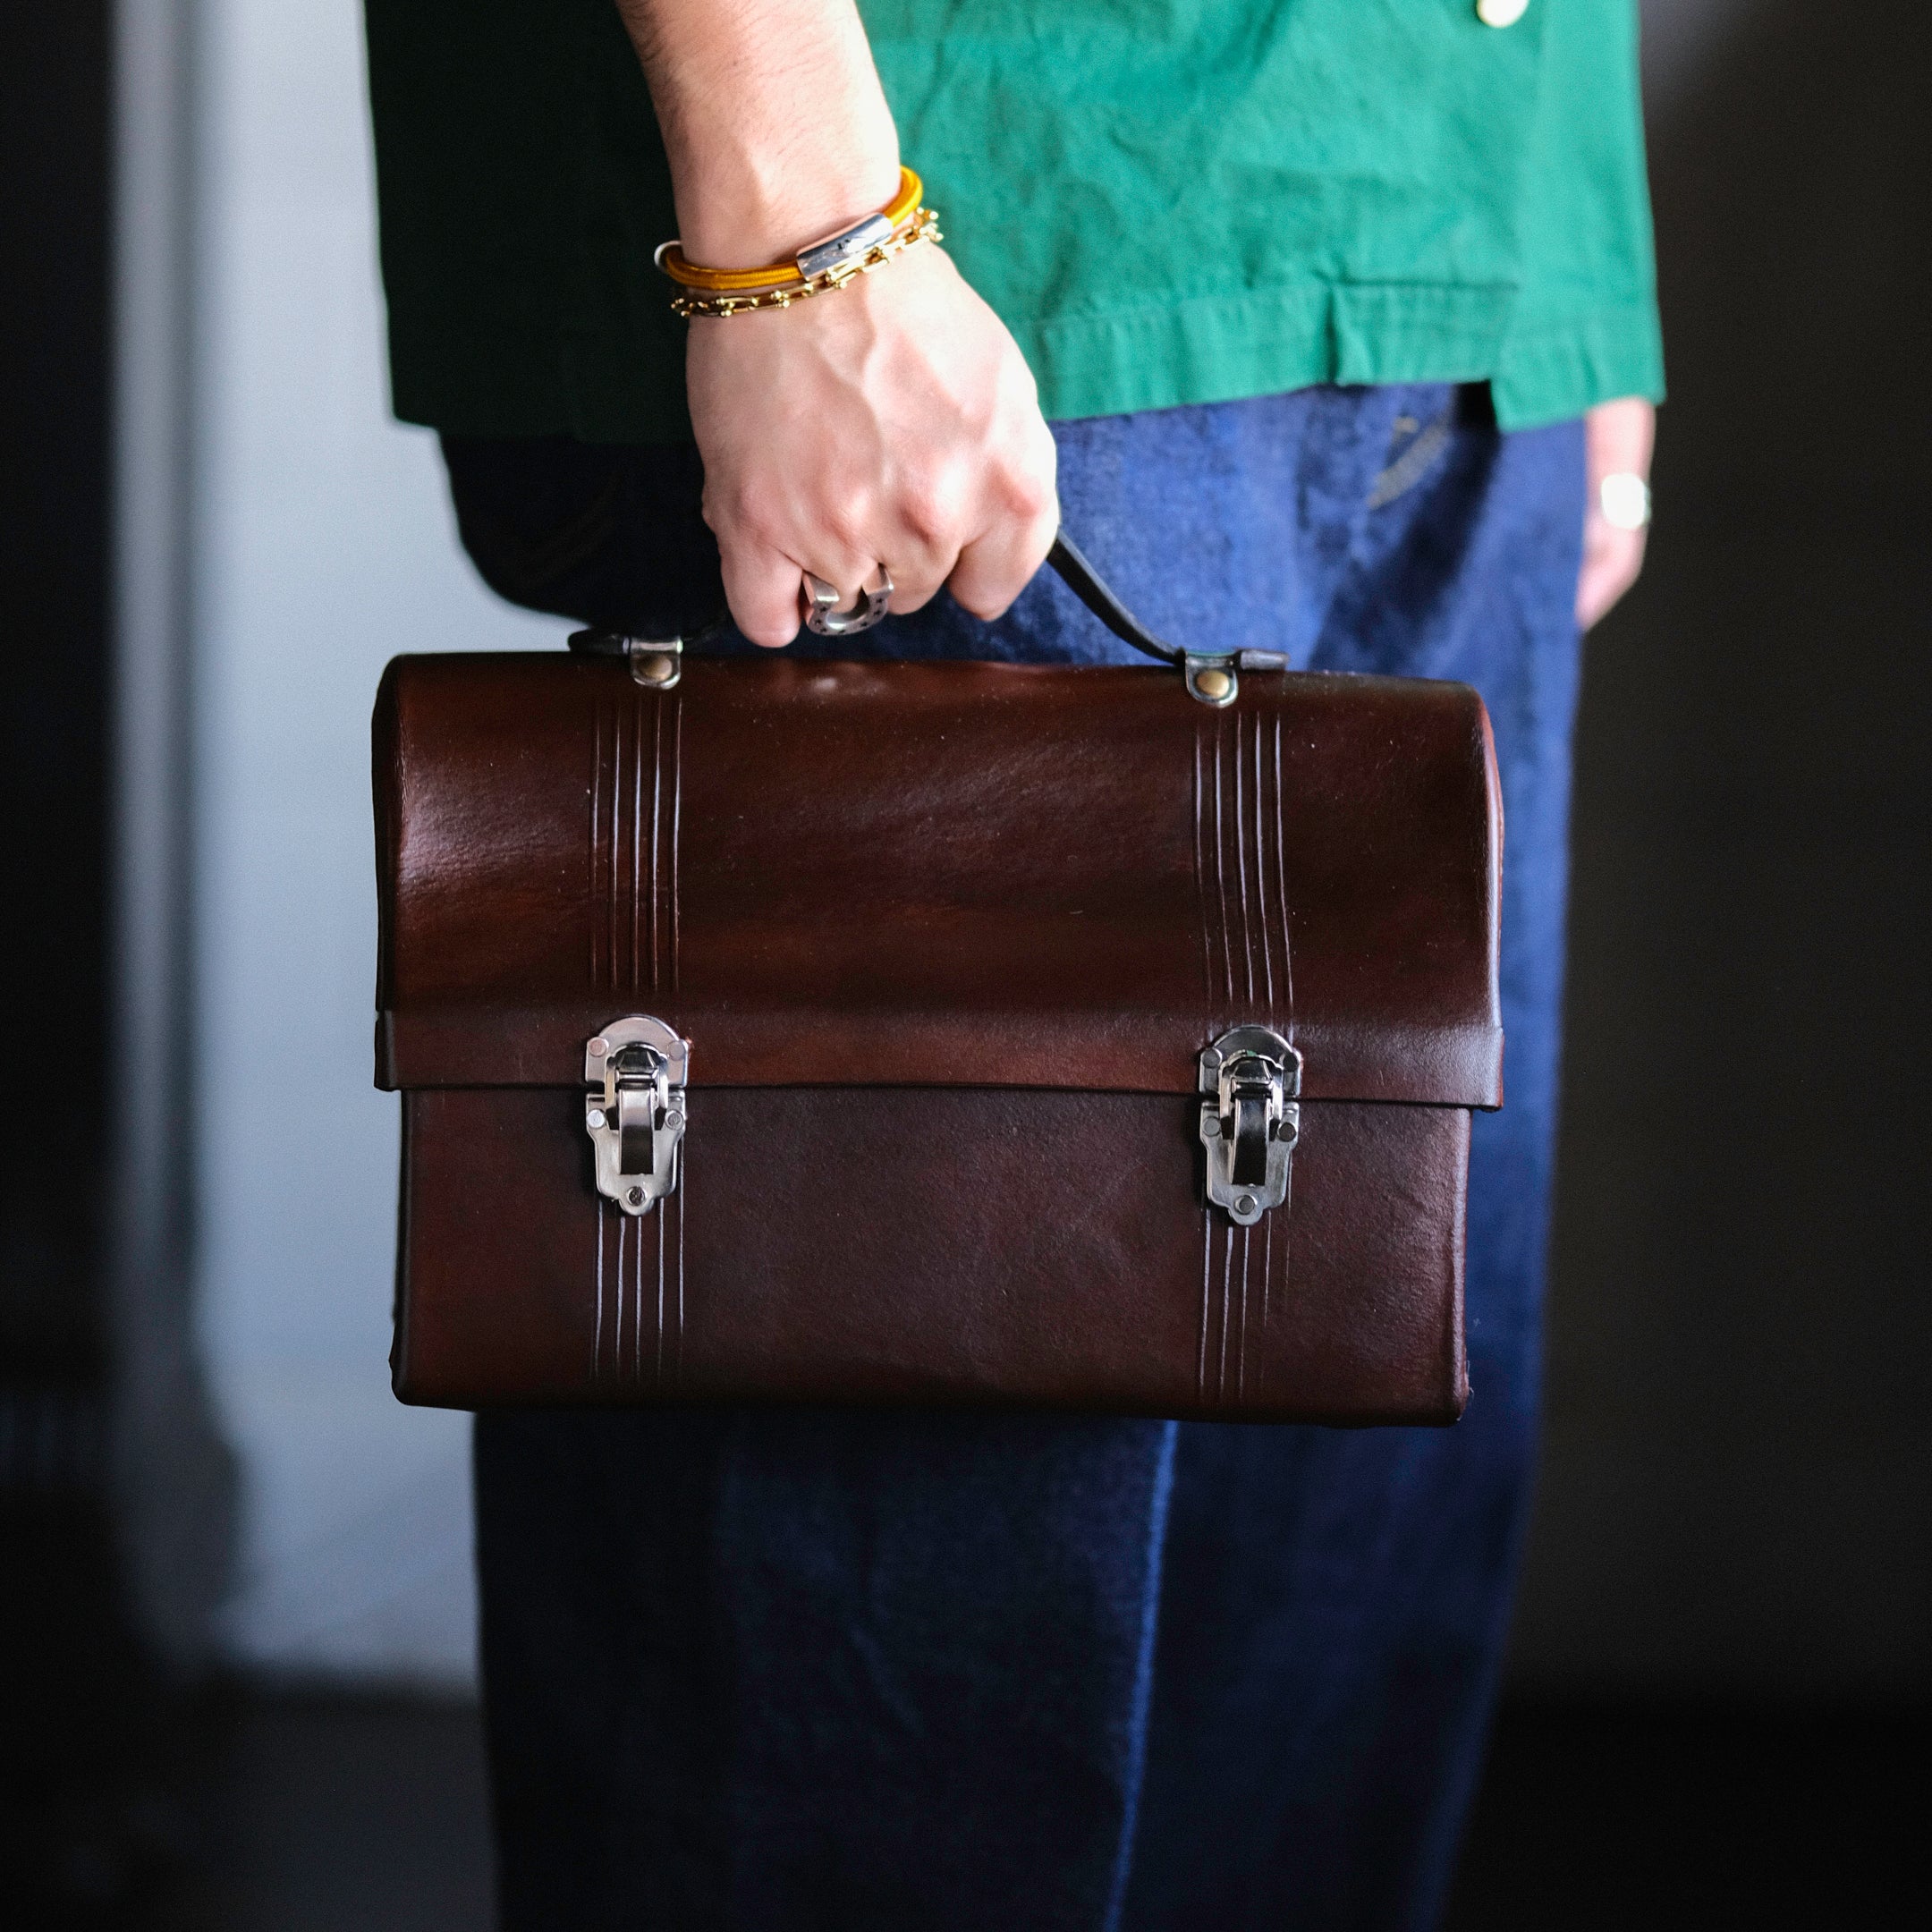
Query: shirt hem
(1557, 370)
(1160, 355)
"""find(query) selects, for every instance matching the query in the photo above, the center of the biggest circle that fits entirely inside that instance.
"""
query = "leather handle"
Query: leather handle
(1075, 571)
(1091, 588)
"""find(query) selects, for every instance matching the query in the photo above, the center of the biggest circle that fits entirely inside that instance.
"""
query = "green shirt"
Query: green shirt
(1167, 201)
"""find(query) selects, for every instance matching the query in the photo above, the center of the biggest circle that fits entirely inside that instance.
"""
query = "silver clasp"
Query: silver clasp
(1252, 1122)
(635, 1070)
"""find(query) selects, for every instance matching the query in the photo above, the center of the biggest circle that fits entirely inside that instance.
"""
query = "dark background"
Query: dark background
(1738, 1489)
(1718, 1703)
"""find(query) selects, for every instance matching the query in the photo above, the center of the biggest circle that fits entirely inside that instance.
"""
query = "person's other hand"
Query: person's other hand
(893, 421)
(1617, 440)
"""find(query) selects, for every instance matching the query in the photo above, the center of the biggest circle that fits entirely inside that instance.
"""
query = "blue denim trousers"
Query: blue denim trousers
(791, 1669)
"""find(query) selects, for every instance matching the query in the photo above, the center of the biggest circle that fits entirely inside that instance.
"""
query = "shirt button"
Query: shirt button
(1501, 12)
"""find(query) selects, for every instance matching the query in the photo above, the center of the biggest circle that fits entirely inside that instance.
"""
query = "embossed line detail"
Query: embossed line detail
(613, 918)
(606, 1356)
(1237, 841)
(1201, 887)
(657, 824)
(1207, 900)
(1281, 877)
(1239, 810)
(657, 1359)
(635, 816)
(1276, 1276)
(597, 1331)
(1228, 1278)
(1226, 931)
(636, 826)
(1242, 796)
(1258, 775)
(597, 848)
(639, 1286)
(1242, 1277)
(677, 813)
(1241, 874)
(677, 1365)
(1219, 1297)
(1206, 1289)
(636, 799)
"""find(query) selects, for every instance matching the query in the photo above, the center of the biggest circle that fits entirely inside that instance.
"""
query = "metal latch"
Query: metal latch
(1251, 1121)
(635, 1070)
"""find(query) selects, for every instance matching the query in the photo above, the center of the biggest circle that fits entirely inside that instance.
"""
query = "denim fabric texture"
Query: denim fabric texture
(831, 1670)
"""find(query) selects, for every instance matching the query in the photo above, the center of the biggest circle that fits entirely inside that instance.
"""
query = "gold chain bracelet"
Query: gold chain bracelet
(924, 226)
(816, 269)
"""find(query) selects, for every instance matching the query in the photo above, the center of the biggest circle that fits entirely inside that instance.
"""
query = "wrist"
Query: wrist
(773, 121)
(741, 209)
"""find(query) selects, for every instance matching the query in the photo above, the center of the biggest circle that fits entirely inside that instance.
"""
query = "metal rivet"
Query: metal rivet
(1214, 685)
(597, 1117)
(1244, 1204)
(600, 1047)
(635, 1197)
(656, 670)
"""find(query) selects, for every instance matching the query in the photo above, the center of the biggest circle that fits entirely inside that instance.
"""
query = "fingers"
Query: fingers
(919, 545)
(1021, 511)
(1613, 559)
(761, 585)
(995, 568)
(763, 574)
(920, 536)
(770, 538)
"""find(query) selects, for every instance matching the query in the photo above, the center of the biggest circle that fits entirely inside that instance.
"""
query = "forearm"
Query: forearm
(773, 117)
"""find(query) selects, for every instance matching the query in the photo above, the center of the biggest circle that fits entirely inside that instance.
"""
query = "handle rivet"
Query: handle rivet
(1213, 685)
(657, 669)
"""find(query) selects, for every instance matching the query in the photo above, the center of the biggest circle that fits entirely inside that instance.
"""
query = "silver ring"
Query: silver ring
(820, 602)
(1624, 500)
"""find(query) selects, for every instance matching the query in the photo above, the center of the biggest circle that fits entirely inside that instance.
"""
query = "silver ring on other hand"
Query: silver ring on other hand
(1624, 500)
(820, 602)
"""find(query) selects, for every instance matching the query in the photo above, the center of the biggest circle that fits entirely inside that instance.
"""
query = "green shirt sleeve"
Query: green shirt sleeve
(1584, 325)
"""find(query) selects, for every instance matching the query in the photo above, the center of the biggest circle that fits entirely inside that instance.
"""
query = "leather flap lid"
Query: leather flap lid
(934, 874)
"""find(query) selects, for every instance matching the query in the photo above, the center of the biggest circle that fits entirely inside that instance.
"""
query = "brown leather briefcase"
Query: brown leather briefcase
(934, 1032)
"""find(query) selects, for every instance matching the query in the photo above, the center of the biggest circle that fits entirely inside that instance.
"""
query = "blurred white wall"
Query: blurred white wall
(322, 545)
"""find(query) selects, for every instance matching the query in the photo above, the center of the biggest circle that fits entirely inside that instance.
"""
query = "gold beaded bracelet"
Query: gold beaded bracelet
(815, 270)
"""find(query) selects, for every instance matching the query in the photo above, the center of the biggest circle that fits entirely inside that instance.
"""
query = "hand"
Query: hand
(1617, 436)
(893, 421)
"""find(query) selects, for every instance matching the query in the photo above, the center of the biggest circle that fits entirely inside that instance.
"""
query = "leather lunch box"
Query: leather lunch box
(934, 1033)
